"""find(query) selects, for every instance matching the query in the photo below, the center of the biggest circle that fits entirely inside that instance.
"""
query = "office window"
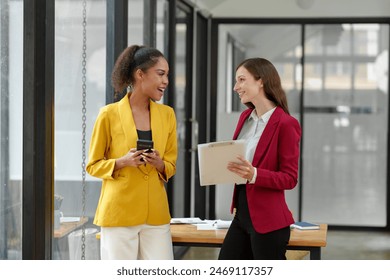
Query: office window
(345, 124)
(135, 26)
(69, 149)
(235, 53)
(162, 11)
(11, 132)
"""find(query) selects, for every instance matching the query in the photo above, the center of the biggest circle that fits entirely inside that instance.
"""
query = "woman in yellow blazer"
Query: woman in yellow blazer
(133, 210)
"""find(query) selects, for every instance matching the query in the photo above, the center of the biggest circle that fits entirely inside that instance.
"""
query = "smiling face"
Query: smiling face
(246, 86)
(154, 81)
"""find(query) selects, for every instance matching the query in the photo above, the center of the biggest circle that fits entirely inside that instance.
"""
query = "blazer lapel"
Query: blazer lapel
(129, 128)
(267, 135)
(241, 122)
(127, 121)
(157, 126)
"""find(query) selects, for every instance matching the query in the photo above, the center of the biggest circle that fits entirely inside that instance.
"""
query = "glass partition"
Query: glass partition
(74, 120)
(11, 131)
(161, 32)
(181, 92)
(136, 22)
(346, 120)
(162, 7)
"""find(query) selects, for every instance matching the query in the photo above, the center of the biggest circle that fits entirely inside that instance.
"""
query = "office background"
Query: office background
(56, 59)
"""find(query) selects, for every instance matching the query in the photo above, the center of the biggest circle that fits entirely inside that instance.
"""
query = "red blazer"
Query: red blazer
(276, 159)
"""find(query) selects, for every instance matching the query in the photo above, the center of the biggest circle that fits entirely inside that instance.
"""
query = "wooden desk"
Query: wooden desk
(67, 228)
(308, 240)
(64, 230)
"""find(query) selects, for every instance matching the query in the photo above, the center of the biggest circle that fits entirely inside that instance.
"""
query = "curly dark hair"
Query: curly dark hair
(132, 58)
(261, 68)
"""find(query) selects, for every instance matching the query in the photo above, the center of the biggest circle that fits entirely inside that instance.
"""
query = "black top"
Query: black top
(144, 134)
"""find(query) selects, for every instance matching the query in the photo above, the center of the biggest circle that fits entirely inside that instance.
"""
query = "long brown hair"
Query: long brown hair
(132, 58)
(261, 68)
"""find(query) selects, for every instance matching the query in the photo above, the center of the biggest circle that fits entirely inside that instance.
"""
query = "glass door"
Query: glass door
(78, 71)
(183, 109)
(345, 135)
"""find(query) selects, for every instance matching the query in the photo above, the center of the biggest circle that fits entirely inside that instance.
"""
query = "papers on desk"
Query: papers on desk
(69, 219)
(305, 226)
(186, 221)
(213, 160)
(202, 224)
(213, 224)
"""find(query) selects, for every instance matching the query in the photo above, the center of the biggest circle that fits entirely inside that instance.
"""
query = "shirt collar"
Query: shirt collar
(265, 117)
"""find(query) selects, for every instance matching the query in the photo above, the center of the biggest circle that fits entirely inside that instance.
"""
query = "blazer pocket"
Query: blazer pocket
(118, 174)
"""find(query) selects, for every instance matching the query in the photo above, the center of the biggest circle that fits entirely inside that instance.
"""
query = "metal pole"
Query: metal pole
(38, 129)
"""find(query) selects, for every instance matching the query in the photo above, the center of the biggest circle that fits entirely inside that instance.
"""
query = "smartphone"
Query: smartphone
(143, 144)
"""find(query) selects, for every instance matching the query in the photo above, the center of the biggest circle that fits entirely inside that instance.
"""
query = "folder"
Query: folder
(213, 160)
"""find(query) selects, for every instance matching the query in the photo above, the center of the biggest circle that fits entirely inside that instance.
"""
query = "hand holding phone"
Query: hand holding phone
(143, 144)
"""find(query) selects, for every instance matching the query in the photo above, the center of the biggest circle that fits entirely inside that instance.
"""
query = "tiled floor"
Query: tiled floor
(341, 245)
(361, 245)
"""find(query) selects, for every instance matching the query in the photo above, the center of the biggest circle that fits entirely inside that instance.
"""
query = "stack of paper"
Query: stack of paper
(213, 224)
(213, 160)
(202, 224)
(186, 221)
(304, 226)
(69, 219)
(222, 224)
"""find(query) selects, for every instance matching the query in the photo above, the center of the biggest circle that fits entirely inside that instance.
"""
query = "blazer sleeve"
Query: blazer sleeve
(99, 165)
(170, 153)
(285, 175)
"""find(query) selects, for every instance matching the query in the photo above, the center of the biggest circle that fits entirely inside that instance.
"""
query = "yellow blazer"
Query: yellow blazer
(131, 195)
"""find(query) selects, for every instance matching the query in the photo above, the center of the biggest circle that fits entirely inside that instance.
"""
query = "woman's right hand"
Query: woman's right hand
(132, 158)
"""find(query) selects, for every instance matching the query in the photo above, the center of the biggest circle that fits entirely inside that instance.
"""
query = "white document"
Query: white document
(186, 221)
(69, 219)
(213, 160)
(213, 225)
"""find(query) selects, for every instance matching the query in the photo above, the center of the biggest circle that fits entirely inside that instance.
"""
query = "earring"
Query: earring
(130, 88)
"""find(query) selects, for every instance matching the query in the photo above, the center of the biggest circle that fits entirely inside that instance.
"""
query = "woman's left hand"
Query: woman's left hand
(242, 168)
(155, 160)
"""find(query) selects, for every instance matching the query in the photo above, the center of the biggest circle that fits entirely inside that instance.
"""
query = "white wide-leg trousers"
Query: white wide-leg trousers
(143, 242)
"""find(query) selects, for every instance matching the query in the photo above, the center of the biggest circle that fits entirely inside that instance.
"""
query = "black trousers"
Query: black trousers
(242, 242)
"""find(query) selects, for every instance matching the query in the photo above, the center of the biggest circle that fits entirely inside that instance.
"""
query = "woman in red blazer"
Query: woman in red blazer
(261, 225)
